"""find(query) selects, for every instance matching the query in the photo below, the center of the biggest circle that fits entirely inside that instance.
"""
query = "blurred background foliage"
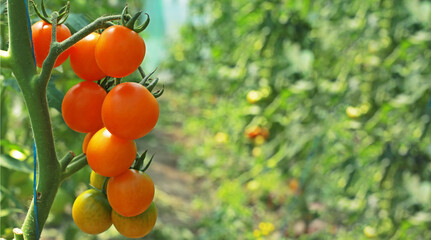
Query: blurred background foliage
(292, 119)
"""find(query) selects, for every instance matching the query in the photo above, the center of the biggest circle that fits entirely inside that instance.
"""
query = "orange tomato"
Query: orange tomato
(83, 61)
(130, 193)
(82, 105)
(119, 51)
(130, 111)
(109, 155)
(41, 35)
(86, 141)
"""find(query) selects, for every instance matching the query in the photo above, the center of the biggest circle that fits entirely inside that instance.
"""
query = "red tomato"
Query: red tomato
(86, 141)
(82, 105)
(41, 34)
(130, 193)
(109, 155)
(82, 58)
(119, 51)
(130, 111)
(138, 226)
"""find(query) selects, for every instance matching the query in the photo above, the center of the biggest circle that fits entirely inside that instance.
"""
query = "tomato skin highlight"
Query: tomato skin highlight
(82, 105)
(91, 212)
(83, 61)
(119, 51)
(109, 155)
(130, 193)
(41, 35)
(130, 111)
(138, 226)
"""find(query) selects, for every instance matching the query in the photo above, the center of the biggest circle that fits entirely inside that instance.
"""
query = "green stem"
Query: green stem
(21, 59)
(64, 162)
(18, 234)
(78, 163)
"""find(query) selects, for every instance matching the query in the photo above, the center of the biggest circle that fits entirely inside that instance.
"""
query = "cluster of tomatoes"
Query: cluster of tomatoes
(112, 121)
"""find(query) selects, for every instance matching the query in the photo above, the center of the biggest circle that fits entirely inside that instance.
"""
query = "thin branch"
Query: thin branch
(18, 234)
(54, 17)
(75, 166)
(64, 162)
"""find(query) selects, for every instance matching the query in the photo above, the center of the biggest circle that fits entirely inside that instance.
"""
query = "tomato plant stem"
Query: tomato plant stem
(20, 59)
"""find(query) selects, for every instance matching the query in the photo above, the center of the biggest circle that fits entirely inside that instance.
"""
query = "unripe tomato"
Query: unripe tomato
(353, 112)
(41, 34)
(86, 141)
(130, 193)
(253, 96)
(82, 106)
(130, 111)
(109, 155)
(91, 212)
(83, 61)
(138, 226)
(370, 232)
(97, 180)
(119, 51)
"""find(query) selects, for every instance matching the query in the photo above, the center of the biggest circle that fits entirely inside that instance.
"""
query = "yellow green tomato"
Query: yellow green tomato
(91, 212)
(138, 226)
(97, 180)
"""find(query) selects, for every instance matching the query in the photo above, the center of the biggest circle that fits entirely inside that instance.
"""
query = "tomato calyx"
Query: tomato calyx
(152, 84)
(129, 21)
(138, 164)
(63, 13)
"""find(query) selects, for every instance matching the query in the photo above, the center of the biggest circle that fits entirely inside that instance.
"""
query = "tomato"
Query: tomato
(109, 155)
(138, 226)
(130, 193)
(353, 112)
(41, 34)
(83, 61)
(97, 180)
(82, 105)
(86, 141)
(253, 96)
(370, 232)
(119, 51)
(130, 111)
(91, 212)
(294, 185)
(254, 131)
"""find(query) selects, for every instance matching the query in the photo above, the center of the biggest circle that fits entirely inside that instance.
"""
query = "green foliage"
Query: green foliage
(343, 88)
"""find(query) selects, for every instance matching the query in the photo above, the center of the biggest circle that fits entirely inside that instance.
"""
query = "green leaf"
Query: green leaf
(10, 211)
(10, 82)
(14, 164)
(76, 21)
(55, 96)
(7, 193)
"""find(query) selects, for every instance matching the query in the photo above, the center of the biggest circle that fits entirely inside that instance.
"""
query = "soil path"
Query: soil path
(175, 189)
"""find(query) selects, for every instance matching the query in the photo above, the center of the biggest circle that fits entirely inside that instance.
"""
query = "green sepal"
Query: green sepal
(148, 164)
(142, 27)
(153, 83)
(159, 92)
